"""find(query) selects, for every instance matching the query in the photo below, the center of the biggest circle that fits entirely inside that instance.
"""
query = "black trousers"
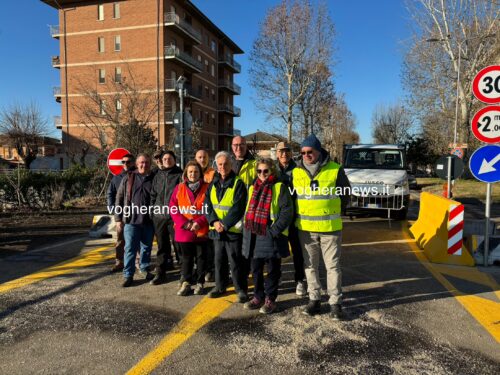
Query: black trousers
(210, 256)
(165, 234)
(298, 257)
(230, 250)
(267, 287)
(192, 251)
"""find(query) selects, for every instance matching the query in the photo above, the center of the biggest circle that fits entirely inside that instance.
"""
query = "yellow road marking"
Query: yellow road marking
(486, 312)
(204, 312)
(88, 259)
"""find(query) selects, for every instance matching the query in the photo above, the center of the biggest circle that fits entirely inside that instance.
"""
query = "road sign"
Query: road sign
(188, 121)
(457, 151)
(485, 163)
(486, 85)
(459, 145)
(486, 124)
(457, 167)
(114, 163)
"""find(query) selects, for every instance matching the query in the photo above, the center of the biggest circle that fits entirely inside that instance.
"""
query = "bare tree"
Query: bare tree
(391, 124)
(24, 128)
(106, 108)
(448, 32)
(294, 43)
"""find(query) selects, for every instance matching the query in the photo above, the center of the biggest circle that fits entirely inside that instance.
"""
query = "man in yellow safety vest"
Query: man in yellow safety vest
(322, 193)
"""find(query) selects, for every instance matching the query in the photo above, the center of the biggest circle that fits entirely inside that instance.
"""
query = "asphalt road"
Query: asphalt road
(76, 319)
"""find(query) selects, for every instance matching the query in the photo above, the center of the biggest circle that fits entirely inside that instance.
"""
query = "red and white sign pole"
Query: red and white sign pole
(455, 229)
(115, 157)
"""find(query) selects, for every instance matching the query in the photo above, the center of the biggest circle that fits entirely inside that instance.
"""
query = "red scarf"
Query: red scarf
(259, 208)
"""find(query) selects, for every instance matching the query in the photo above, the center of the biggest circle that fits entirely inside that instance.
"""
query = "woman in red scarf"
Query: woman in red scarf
(269, 213)
(191, 226)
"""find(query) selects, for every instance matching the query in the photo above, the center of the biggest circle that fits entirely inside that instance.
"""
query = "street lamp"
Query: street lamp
(182, 93)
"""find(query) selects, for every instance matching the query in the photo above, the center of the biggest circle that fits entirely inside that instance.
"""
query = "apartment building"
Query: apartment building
(147, 44)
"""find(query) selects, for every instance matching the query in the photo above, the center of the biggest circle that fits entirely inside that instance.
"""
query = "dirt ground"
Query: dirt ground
(23, 231)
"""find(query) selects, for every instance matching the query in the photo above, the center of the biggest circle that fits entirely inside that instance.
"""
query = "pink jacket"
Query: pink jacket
(182, 235)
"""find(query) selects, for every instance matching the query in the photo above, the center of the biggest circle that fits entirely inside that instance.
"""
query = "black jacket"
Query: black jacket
(342, 180)
(274, 243)
(113, 188)
(139, 193)
(235, 213)
(164, 183)
(285, 175)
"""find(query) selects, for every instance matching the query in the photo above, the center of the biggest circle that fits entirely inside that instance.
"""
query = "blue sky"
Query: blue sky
(370, 36)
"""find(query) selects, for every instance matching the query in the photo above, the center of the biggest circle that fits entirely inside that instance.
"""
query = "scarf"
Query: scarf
(259, 207)
(193, 186)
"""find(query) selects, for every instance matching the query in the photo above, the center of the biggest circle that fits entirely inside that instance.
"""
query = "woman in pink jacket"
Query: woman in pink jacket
(191, 227)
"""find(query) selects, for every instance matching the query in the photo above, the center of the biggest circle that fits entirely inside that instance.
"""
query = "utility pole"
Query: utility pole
(182, 92)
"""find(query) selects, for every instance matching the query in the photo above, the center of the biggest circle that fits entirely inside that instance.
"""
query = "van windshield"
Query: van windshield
(374, 159)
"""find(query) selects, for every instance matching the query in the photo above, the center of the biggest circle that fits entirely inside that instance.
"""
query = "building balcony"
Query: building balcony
(58, 122)
(169, 117)
(171, 86)
(173, 19)
(231, 109)
(231, 86)
(56, 62)
(228, 61)
(54, 31)
(226, 131)
(57, 93)
(184, 58)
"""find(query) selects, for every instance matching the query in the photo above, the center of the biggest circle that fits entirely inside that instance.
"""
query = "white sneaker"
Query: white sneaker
(198, 289)
(185, 289)
(301, 289)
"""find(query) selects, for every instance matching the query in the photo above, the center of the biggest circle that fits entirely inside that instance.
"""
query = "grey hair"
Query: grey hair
(221, 154)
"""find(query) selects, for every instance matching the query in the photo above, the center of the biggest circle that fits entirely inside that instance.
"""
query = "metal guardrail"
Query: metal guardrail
(173, 51)
(230, 108)
(58, 122)
(228, 59)
(230, 85)
(169, 117)
(172, 17)
(57, 91)
(171, 85)
(54, 30)
(56, 61)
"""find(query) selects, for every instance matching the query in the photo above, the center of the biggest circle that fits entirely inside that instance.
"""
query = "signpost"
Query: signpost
(449, 167)
(486, 85)
(115, 157)
(485, 161)
(486, 124)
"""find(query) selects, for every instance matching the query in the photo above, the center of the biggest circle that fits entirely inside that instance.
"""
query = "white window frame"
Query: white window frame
(213, 46)
(116, 11)
(118, 105)
(102, 76)
(101, 46)
(118, 73)
(100, 12)
(118, 42)
(102, 107)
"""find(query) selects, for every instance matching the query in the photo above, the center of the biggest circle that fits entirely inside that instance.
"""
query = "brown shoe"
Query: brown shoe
(117, 267)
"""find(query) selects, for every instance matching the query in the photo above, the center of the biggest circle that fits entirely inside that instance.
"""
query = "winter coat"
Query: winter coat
(274, 243)
(138, 194)
(164, 183)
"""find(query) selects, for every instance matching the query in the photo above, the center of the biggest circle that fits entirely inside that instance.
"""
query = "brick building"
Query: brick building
(106, 43)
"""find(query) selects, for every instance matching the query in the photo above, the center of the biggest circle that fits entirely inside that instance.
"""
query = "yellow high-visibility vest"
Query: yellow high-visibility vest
(275, 208)
(318, 210)
(222, 208)
(247, 172)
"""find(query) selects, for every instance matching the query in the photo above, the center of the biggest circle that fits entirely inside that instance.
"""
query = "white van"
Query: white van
(378, 178)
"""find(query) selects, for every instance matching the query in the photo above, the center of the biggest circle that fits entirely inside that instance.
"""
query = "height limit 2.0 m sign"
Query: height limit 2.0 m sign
(486, 124)
(486, 85)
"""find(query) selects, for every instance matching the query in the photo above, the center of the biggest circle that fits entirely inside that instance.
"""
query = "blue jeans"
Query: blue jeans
(137, 237)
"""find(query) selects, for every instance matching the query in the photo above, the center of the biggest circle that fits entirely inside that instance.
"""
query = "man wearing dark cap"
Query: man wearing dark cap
(286, 165)
(322, 193)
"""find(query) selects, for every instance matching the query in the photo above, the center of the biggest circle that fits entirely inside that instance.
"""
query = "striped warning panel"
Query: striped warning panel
(455, 229)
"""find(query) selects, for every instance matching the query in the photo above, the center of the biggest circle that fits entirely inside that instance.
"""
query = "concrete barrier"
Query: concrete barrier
(103, 226)
(439, 230)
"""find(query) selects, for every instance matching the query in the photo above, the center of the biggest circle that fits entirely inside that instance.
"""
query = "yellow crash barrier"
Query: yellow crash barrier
(438, 230)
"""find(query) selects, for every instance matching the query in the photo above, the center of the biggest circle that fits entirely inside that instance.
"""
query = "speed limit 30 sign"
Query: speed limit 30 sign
(486, 124)
(486, 85)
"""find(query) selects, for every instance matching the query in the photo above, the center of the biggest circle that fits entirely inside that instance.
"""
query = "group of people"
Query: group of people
(242, 217)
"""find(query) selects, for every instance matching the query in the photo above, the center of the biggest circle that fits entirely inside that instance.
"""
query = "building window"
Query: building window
(102, 107)
(118, 105)
(199, 58)
(207, 66)
(118, 75)
(207, 92)
(116, 10)
(118, 43)
(213, 46)
(213, 94)
(100, 12)
(102, 76)
(213, 143)
(213, 70)
(213, 119)
(200, 90)
(207, 117)
(100, 44)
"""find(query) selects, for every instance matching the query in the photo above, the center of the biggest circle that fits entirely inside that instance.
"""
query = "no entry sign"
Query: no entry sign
(486, 85)
(115, 164)
(486, 124)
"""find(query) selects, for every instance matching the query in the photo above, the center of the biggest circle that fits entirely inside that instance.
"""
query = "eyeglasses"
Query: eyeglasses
(262, 171)
(240, 145)
(306, 153)
(126, 161)
(284, 150)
